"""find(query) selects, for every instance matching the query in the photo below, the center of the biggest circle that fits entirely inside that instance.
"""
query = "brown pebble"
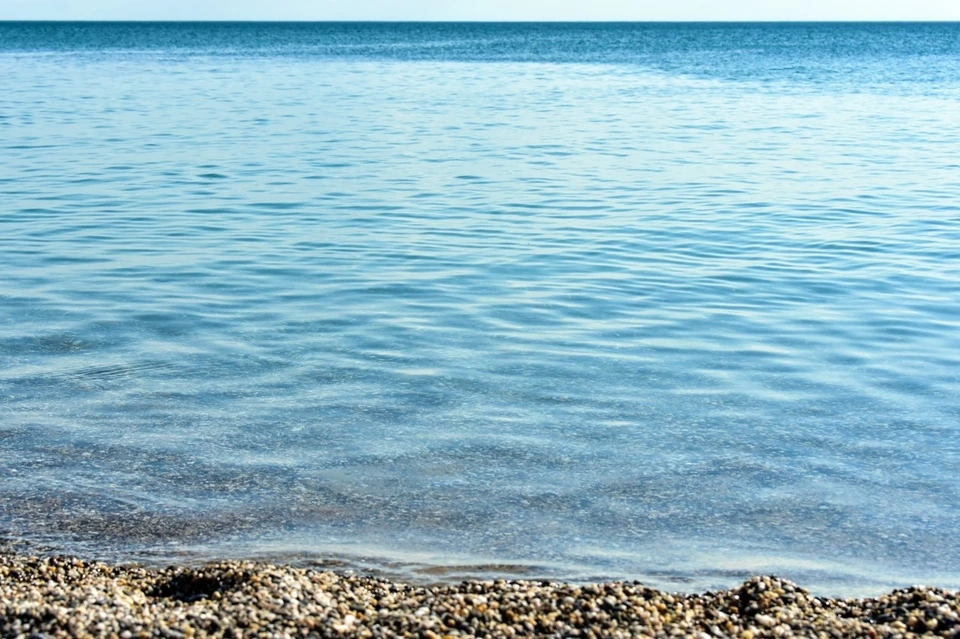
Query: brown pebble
(68, 597)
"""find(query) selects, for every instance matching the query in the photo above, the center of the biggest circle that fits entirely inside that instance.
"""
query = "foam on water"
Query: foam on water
(669, 302)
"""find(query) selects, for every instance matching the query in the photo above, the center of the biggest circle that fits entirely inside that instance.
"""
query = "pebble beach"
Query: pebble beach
(71, 597)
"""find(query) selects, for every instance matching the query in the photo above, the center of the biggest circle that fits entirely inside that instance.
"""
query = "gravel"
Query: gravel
(65, 596)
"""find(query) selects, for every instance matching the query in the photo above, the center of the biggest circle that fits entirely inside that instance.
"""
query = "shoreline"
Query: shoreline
(67, 596)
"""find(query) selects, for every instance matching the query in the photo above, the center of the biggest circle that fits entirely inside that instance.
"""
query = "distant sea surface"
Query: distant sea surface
(669, 302)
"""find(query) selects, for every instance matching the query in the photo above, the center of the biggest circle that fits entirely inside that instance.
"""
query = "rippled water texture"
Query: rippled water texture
(675, 303)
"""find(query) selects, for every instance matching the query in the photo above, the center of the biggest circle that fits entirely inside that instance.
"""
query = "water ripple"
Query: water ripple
(623, 308)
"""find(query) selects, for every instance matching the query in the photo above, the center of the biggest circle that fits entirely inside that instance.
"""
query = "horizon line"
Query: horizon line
(506, 21)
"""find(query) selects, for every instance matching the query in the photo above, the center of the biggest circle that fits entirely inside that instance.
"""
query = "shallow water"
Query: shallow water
(677, 303)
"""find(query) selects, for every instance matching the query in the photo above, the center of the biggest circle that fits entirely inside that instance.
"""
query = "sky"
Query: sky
(479, 9)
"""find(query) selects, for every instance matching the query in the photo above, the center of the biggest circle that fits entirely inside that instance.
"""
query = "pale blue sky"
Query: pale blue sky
(481, 9)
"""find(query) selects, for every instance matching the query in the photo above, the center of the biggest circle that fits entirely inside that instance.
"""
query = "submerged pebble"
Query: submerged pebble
(65, 596)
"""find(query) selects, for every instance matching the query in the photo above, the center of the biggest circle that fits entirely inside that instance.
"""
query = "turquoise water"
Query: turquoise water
(677, 303)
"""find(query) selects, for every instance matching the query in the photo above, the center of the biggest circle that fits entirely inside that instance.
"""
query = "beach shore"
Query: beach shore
(65, 596)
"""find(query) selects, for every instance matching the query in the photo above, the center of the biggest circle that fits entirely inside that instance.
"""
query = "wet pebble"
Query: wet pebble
(68, 597)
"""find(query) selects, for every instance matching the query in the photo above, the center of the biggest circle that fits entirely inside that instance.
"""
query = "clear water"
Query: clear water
(676, 303)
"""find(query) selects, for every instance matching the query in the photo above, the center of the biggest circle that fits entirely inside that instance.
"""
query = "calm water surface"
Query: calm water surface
(677, 303)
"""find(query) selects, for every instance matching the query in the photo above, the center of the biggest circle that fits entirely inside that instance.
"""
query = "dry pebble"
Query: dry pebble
(68, 597)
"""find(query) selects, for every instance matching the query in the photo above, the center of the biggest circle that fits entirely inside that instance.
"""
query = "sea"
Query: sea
(675, 303)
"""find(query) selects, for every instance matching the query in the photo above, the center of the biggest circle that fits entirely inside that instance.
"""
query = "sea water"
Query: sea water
(669, 302)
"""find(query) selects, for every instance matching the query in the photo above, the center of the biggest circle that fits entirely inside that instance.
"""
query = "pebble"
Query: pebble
(69, 597)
